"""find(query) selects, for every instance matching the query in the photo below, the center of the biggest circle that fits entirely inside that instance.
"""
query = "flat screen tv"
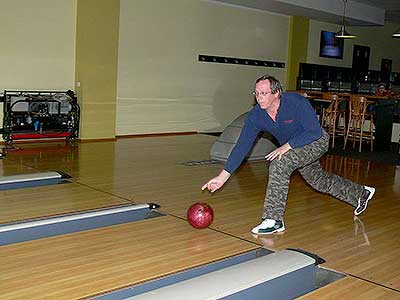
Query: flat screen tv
(330, 46)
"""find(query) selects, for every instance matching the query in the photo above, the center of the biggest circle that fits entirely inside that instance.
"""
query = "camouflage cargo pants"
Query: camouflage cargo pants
(306, 160)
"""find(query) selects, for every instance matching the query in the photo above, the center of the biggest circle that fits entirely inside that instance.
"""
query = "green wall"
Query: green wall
(378, 38)
(162, 87)
(138, 72)
(297, 49)
(96, 66)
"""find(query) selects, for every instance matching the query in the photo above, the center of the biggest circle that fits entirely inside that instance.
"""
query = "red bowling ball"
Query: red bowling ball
(200, 215)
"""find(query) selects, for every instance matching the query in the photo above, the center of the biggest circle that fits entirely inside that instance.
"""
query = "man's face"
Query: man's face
(263, 94)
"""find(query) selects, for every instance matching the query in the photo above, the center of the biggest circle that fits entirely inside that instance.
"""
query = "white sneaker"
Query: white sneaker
(269, 226)
(363, 200)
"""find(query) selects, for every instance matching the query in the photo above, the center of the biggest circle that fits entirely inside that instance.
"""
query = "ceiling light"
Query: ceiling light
(396, 34)
(342, 33)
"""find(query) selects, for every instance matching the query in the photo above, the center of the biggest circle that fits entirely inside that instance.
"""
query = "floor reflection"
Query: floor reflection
(359, 231)
(347, 166)
(269, 240)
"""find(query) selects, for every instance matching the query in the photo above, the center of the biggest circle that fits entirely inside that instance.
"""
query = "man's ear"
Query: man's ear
(277, 94)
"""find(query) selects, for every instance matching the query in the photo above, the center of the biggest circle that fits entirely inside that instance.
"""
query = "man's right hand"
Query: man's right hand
(217, 182)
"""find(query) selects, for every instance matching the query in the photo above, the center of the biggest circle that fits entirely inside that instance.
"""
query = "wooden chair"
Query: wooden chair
(360, 126)
(333, 117)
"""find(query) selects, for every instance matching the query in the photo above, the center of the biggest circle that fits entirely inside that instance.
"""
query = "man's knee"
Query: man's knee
(280, 166)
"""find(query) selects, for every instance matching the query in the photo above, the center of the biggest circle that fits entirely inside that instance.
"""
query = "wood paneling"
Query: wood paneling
(150, 170)
(354, 289)
(85, 263)
(51, 200)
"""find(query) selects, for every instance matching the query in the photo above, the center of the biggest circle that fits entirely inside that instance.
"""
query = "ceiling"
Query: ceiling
(358, 12)
(392, 8)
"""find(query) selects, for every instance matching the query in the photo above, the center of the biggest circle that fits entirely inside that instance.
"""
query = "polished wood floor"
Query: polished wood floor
(150, 169)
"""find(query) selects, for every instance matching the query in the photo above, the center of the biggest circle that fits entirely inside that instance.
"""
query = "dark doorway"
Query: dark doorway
(360, 61)
(386, 69)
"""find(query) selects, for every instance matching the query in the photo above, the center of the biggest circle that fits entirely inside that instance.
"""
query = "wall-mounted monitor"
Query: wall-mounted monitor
(330, 46)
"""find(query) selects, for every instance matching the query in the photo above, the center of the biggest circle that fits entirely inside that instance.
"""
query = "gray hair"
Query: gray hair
(276, 86)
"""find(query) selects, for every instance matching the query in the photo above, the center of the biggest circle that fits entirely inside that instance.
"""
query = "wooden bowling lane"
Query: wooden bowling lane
(27, 203)
(12, 167)
(354, 289)
(149, 170)
(128, 167)
(69, 158)
(82, 264)
(366, 247)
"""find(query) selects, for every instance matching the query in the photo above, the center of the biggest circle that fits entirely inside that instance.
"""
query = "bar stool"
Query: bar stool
(333, 117)
(358, 129)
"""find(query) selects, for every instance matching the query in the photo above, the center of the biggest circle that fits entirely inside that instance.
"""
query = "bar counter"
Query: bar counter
(386, 110)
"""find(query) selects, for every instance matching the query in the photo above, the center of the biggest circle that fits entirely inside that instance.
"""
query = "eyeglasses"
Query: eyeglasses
(261, 93)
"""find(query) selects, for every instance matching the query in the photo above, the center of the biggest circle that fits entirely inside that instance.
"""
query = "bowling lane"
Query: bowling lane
(27, 203)
(82, 264)
(129, 167)
(357, 289)
(13, 167)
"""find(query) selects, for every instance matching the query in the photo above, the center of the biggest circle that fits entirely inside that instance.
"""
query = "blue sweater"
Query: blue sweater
(296, 123)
